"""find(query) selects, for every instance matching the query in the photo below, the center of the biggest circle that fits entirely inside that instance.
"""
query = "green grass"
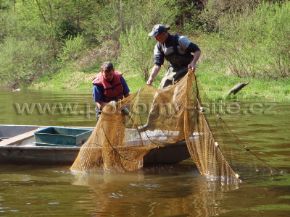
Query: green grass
(65, 79)
(68, 78)
(248, 48)
(253, 43)
(134, 82)
(214, 84)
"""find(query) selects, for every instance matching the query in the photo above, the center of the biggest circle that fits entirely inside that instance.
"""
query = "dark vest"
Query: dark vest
(175, 54)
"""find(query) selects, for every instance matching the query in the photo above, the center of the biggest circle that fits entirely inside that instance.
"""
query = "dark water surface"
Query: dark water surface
(33, 190)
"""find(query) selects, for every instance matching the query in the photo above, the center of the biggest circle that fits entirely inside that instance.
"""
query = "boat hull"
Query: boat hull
(25, 151)
(66, 155)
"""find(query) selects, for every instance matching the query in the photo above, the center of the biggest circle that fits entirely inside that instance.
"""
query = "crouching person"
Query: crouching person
(109, 85)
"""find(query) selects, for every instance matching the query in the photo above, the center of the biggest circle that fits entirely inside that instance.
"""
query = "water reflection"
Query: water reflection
(172, 191)
(47, 108)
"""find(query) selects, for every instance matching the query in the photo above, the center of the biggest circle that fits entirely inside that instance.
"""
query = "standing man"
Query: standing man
(178, 50)
(109, 85)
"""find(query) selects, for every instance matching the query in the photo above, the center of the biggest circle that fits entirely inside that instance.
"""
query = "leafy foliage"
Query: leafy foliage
(251, 38)
(72, 48)
(21, 61)
(136, 52)
(256, 44)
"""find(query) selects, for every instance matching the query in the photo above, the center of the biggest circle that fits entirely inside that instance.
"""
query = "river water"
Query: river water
(34, 190)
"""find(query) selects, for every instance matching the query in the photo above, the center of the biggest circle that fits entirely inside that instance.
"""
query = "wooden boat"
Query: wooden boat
(17, 146)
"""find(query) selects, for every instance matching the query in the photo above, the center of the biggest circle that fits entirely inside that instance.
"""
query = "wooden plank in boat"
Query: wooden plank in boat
(18, 138)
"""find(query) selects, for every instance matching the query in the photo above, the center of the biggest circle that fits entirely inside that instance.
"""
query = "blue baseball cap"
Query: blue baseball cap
(157, 29)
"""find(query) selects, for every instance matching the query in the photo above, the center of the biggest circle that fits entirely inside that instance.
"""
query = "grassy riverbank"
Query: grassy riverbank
(214, 84)
(44, 47)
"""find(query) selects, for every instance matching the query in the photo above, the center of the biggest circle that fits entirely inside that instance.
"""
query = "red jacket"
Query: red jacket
(113, 90)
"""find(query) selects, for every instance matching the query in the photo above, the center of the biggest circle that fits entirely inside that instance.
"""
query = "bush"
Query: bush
(21, 61)
(72, 49)
(106, 25)
(94, 57)
(136, 52)
(254, 43)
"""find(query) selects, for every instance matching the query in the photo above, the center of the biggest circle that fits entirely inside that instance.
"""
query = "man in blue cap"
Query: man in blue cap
(178, 50)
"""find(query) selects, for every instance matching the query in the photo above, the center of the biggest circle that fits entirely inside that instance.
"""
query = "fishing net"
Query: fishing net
(157, 120)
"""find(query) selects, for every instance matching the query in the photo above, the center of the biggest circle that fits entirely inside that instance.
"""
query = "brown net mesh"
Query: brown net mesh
(158, 120)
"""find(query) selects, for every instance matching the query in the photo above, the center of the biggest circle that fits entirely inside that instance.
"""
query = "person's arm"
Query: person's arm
(98, 96)
(190, 47)
(158, 62)
(100, 105)
(196, 56)
(126, 90)
(153, 74)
